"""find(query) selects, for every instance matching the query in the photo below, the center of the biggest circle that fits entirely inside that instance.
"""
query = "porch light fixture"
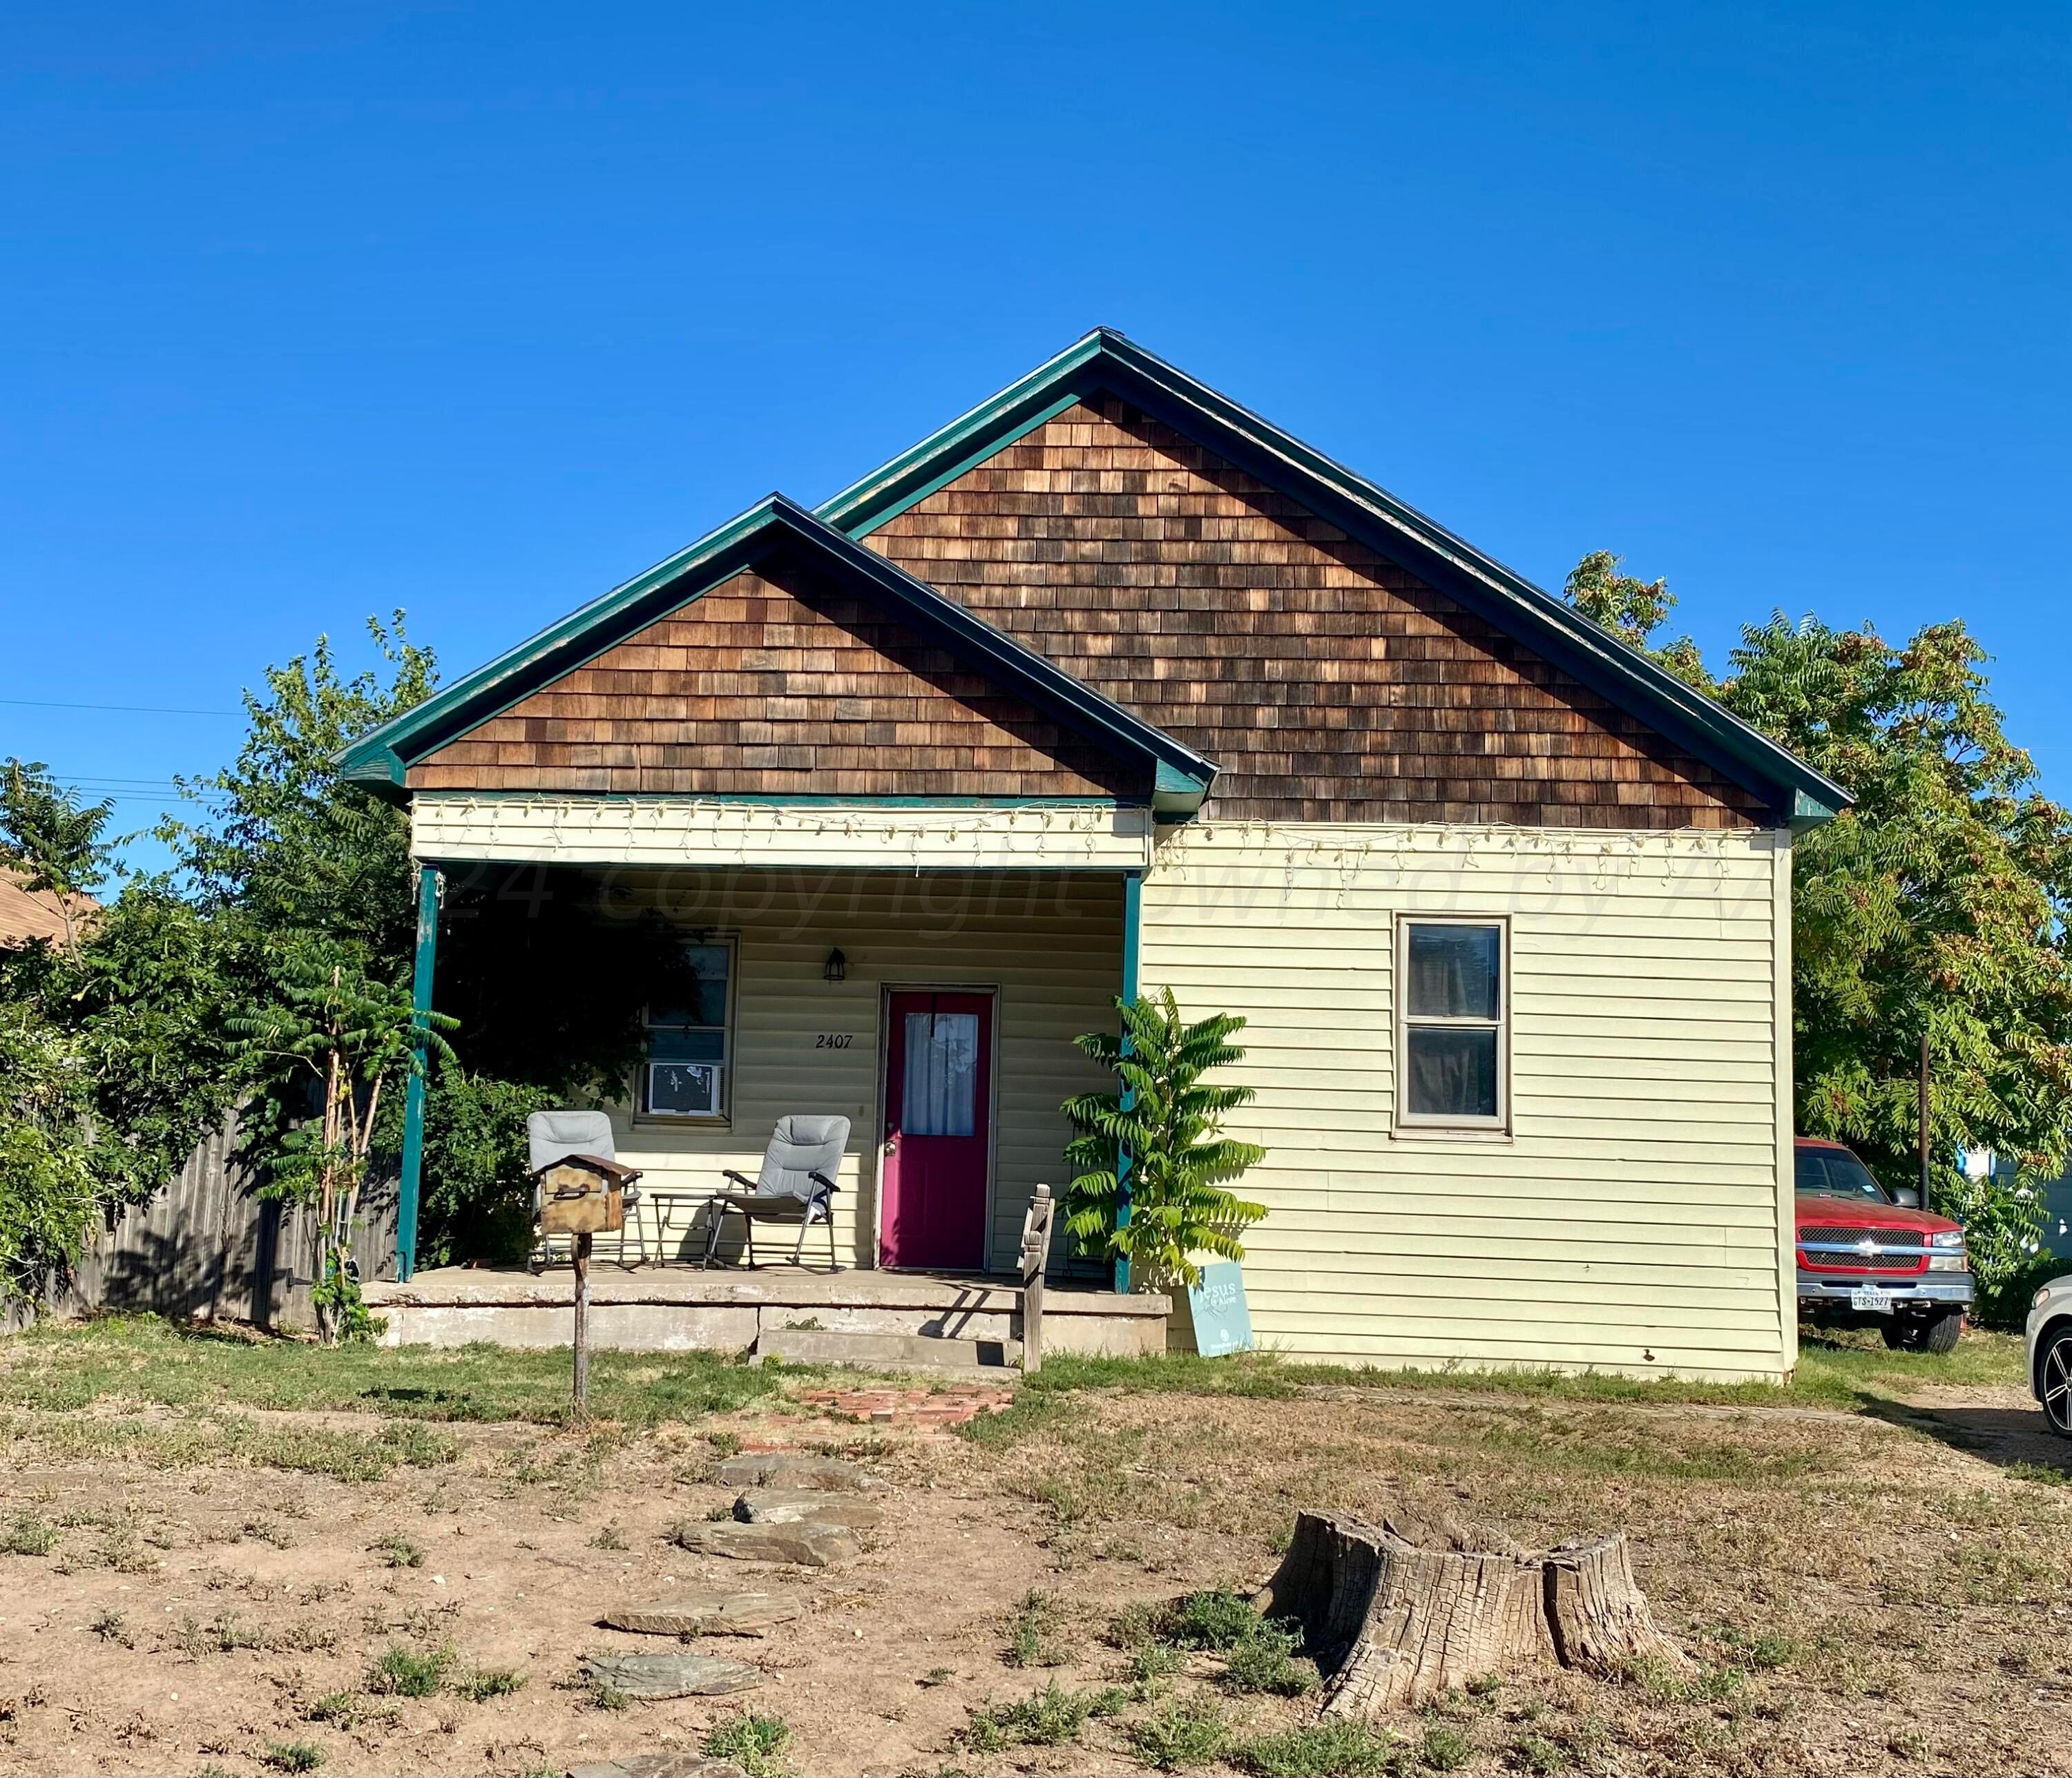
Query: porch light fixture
(837, 965)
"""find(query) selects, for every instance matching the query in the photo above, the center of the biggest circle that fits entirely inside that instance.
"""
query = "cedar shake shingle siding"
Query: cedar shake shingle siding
(1327, 683)
(775, 686)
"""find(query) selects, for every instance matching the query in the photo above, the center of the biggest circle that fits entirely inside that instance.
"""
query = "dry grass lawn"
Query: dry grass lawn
(224, 1556)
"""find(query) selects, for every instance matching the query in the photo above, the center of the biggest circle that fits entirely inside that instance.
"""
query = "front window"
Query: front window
(1454, 1053)
(1835, 1172)
(690, 1046)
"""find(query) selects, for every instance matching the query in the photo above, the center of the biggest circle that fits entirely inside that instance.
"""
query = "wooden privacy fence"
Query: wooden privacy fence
(208, 1245)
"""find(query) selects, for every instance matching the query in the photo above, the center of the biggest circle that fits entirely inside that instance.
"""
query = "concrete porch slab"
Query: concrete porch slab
(678, 1308)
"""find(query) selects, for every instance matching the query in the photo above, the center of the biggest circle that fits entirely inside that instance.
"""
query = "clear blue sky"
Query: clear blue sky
(314, 310)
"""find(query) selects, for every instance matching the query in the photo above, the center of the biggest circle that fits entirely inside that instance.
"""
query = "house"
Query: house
(28, 915)
(1111, 684)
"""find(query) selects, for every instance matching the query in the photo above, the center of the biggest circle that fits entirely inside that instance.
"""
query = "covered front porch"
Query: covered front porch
(919, 970)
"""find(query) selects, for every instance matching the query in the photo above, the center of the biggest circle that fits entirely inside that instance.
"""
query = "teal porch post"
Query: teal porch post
(413, 1094)
(1132, 916)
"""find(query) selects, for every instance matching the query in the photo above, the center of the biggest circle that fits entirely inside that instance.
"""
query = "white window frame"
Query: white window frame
(1425, 1123)
(723, 1117)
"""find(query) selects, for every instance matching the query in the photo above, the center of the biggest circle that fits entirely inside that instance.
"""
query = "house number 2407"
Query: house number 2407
(834, 1040)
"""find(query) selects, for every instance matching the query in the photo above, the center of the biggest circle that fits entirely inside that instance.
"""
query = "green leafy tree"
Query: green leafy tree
(1633, 610)
(350, 1037)
(50, 837)
(50, 1194)
(1169, 1122)
(1937, 906)
(279, 843)
(118, 1062)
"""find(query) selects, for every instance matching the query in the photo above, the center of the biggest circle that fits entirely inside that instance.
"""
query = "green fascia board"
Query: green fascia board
(1810, 811)
(793, 799)
(380, 758)
(1107, 359)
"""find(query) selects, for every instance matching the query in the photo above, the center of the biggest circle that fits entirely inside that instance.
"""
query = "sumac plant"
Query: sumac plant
(1168, 1121)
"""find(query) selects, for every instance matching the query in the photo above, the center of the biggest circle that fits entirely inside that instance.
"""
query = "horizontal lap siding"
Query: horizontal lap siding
(1051, 945)
(1632, 1218)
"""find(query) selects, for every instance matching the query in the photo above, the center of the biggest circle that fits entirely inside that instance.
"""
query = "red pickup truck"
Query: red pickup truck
(1868, 1257)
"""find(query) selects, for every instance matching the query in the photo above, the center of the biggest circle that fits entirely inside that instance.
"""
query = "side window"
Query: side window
(690, 1047)
(1454, 1049)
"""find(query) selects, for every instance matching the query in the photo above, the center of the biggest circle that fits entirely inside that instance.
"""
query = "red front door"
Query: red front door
(938, 1131)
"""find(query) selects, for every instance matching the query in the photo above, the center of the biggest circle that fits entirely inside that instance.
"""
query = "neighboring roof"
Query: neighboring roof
(1106, 360)
(24, 916)
(381, 758)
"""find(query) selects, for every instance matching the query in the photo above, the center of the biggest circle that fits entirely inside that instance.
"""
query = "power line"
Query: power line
(127, 709)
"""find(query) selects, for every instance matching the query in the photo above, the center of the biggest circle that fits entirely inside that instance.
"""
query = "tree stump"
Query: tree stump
(1396, 1620)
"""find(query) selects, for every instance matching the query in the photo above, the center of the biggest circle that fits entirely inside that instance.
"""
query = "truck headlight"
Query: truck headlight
(1946, 1250)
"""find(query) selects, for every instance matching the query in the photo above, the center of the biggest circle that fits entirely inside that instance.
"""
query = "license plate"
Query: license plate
(1871, 1300)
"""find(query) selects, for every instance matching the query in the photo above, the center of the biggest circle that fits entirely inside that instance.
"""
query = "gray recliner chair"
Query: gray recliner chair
(796, 1184)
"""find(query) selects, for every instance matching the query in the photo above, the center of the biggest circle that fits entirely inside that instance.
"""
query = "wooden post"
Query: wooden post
(1924, 1121)
(583, 1327)
(1035, 1255)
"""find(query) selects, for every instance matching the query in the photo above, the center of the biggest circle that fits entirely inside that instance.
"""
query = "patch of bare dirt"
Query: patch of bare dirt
(1861, 1597)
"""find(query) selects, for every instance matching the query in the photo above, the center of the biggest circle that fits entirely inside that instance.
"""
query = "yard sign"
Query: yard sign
(1223, 1322)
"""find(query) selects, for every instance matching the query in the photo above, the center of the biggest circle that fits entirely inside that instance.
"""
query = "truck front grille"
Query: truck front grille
(1832, 1248)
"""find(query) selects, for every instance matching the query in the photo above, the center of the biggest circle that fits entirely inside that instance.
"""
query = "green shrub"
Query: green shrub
(295, 1755)
(1048, 1718)
(1183, 1737)
(408, 1672)
(754, 1743)
(1446, 1748)
(1152, 1660)
(2003, 1301)
(1335, 1748)
(1268, 1664)
(481, 1684)
(29, 1536)
(1217, 1619)
(1030, 1632)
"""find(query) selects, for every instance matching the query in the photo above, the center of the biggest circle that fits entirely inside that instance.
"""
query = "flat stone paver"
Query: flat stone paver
(803, 1544)
(797, 1469)
(806, 1506)
(659, 1676)
(705, 1614)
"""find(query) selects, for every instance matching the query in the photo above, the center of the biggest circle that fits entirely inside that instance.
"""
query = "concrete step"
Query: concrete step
(884, 1351)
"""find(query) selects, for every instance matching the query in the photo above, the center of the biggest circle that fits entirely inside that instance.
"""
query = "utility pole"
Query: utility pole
(1924, 1121)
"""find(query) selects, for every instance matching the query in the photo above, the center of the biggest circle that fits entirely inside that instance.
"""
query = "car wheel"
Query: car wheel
(1942, 1331)
(2053, 1380)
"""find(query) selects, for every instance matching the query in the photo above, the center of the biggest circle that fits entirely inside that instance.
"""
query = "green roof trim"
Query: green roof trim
(1107, 360)
(381, 757)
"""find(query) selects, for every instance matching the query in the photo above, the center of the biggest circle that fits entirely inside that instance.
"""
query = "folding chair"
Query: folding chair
(796, 1184)
(583, 1135)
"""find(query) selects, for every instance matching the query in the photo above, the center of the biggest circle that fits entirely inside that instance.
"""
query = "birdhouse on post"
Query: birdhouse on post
(579, 1189)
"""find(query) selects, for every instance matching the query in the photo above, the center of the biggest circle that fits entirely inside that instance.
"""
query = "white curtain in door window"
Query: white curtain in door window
(942, 1075)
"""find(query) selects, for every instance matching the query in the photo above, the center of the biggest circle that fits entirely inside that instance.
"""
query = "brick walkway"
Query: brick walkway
(917, 1407)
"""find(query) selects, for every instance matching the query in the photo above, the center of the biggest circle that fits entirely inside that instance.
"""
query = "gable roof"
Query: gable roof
(1106, 361)
(381, 757)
